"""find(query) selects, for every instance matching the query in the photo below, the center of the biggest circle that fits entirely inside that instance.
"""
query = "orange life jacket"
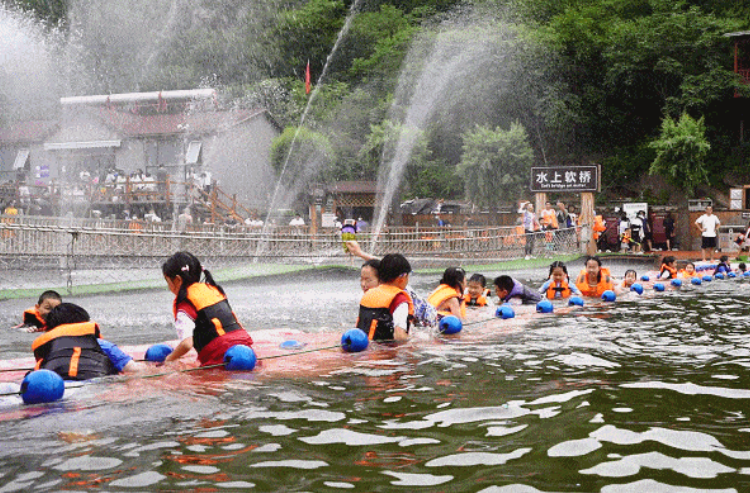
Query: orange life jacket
(73, 352)
(375, 318)
(549, 219)
(215, 316)
(563, 289)
(672, 271)
(31, 316)
(684, 274)
(481, 300)
(595, 290)
(444, 293)
(599, 226)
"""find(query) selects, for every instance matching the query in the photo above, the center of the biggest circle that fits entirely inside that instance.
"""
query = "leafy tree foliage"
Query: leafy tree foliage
(681, 152)
(496, 164)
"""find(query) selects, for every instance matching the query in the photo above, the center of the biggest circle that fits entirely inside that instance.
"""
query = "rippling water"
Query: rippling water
(644, 395)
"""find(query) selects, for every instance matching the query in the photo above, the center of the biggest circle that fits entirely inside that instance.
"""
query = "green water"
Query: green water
(648, 394)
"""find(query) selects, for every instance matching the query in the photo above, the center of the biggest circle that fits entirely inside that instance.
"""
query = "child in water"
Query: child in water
(723, 267)
(594, 279)
(668, 268)
(627, 281)
(203, 318)
(386, 310)
(34, 318)
(688, 272)
(511, 291)
(448, 297)
(476, 291)
(558, 285)
(741, 268)
(72, 347)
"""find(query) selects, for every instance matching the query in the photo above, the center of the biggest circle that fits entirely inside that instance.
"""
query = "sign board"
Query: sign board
(571, 179)
(699, 205)
(735, 198)
(632, 208)
(328, 220)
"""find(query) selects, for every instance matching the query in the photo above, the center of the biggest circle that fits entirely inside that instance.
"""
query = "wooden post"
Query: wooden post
(313, 219)
(587, 222)
(540, 200)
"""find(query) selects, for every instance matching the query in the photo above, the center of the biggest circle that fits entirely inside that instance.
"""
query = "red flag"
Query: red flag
(307, 78)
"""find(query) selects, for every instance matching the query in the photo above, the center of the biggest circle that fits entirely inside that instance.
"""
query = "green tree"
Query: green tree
(681, 152)
(300, 155)
(496, 164)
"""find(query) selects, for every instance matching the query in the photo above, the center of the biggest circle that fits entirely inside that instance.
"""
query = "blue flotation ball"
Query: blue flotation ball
(42, 386)
(658, 287)
(645, 278)
(707, 278)
(732, 274)
(505, 312)
(747, 273)
(575, 301)
(696, 281)
(450, 325)
(157, 353)
(638, 288)
(609, 295)
(676, 283)
(719, 275)
(240, 358)
(545, 306)
(354, 341)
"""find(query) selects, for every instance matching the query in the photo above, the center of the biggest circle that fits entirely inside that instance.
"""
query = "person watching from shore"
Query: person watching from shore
(593, 280)
(203, 318)
(558, 285)
(448, 297)
(509, 290)
(476, 291)
(385, 311)
(35, 318)
(709, 224)
(73, 348)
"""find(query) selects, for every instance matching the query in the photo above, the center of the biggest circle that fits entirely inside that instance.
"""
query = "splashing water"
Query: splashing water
(344, 30)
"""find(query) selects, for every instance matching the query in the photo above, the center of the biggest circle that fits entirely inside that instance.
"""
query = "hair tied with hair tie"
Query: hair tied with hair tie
(185, 268)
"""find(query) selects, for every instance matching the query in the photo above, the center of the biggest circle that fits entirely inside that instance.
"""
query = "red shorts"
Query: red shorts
(213, 353)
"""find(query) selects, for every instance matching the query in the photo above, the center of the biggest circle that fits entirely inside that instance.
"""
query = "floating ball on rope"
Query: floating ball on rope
(719, 275)
(732, 274)
(707, 278)
(505, 312)
(157, 353)
(545, 306)
(354, 341)
(676, 283)
(609, 295)
(240, 358)
(638, 288)
(658, 287)
(645, 278)
(747, 273)
(41, 386)
(575, 301)
(696, 281)
(450, 325)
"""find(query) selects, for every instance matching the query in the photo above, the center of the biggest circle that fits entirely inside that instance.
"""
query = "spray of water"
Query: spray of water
(439, 70)
(342, 33)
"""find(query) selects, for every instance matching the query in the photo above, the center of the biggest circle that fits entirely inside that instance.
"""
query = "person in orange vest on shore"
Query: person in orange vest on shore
(594, 279)
(549, 218)
(599, 227)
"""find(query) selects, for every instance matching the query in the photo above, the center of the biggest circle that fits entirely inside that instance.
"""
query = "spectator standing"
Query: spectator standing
(709, 224)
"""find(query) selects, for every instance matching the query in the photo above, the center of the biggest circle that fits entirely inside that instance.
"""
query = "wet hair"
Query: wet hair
(742, 267)
(724, 258)
(635, 274)
(374, 264)
(668, 259)
(66, 313)
(49, 295)
(557, 264)
(478, 278)
(690, 263)
(186, 266)
(504, 282)
(392, 266)
(453, 277)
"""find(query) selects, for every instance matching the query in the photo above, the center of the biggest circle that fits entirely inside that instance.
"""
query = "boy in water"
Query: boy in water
(35, 318)
(476, 291)
(511, 291)
(385, 311)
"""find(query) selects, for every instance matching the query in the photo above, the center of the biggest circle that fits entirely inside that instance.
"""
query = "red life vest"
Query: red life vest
(215, 317)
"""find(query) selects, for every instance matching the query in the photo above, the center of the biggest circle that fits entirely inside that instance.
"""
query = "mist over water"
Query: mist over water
(443, 73)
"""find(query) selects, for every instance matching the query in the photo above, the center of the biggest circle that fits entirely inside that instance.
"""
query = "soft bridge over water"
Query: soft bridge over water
(647, 394)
